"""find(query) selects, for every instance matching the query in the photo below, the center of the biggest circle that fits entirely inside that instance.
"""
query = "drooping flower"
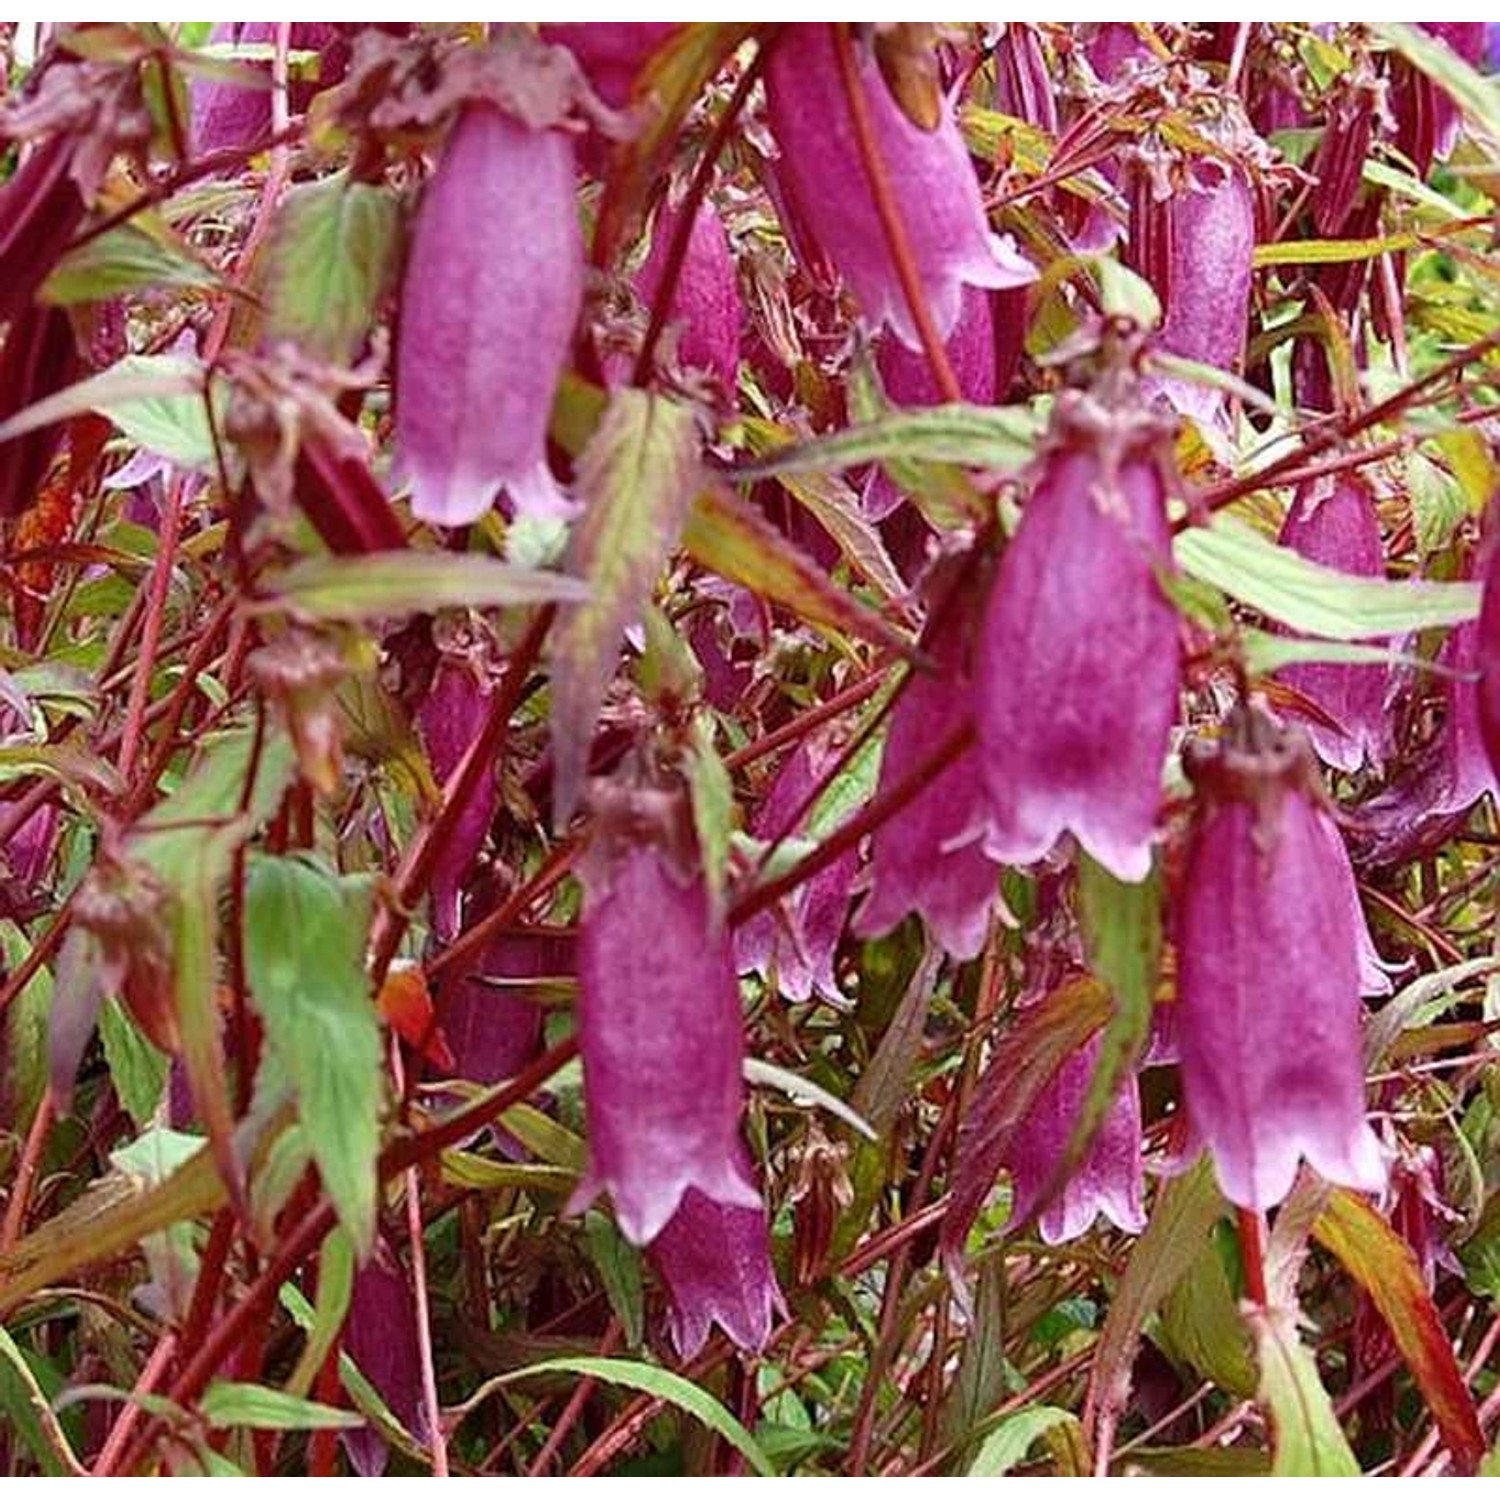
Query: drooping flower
(380, 1336)
(1347, 133)
(1077, 678)
(796, 941)
(930, 858)
(39, 357)
(822, 173)
(1427, 119)
(451, 717)
(706, 309)
(492, 1031)
(1336, 524)
(1487, 658)
(1268, 964)
(1023, 86)
(611, 53)
(1206, 299)
(493, 288)
(659, 1025)
(1108, 1180)
(973, 354)
(715, 1261)
(227, 114)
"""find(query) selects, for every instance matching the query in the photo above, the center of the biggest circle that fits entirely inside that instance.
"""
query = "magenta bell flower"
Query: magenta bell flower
(1336, 524)
(1108, 1180)
(611, 53)
(1078, 670)
(909, 382)
(1268, 974)
(1427, 119)
(1486, 641)
(493, 288)
(821, 171)
(706, 307)
(1207, 303)
(715, 1261)
(930, 857)
(659, 1025)
(380, 1335)
(494, 1033)
(451, 717)
(796, 941)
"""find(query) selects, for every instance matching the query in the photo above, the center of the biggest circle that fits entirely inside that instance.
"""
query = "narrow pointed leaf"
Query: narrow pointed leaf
(1308, 1439)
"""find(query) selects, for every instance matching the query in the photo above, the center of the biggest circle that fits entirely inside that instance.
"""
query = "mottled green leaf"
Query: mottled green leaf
(305, 935)
(1013, 1439)
(125, 259)
(1308, 1439)
(330, 259)
(1311, 598)
(637, 477)
(137, 1070)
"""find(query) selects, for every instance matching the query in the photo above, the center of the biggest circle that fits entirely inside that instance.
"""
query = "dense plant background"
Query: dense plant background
(748, 748)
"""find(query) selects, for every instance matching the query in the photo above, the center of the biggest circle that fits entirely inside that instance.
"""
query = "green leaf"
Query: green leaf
(156, 400)
(126, 259)
(335, 1290)
(1125, 293)
(650, 1380)
(137, 1070)
(1308, 1440)
(618, 1263)
(1386, 1267)
(1266, 653)
(1331, 252)
(712, 793)
(385, 585)
(330, 260)
(1186, 1209)
(1201, 1326)
(305, 935)
(1311, 598)
(30, 1415)
(1012, 1440)
(637, 476)
(731, 538)
(1475, 94)
(233, 1403)
(1003, 438)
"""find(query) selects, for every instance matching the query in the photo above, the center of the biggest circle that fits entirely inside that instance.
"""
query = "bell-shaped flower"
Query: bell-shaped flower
(1427, 118)
(1206, 303)
(1336, 524)
(1268, 973)
(1079, 666)
(659, 1024)
(1486, 693)
(492, 1026)
(1108, 1180)
(823, 174)
(493, 288)
(973, 355)
(795, 942)
(706, 313)
(715, 1261)
(611, 53)
(930, 857)
(451, 717)
(381, 1337)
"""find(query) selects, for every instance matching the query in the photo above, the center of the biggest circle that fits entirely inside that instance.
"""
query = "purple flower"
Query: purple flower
(715, 1261)
(659, 1025)
(1078, 671)
(821, 172)
(1023, 85)
(492, 291)
(1109, 1178)
(1336, 524)
(795, 942)
(1486, 656)
(224, 114)
(931, 858)
(611, 53)
(380, 1335)
(40, 357)
(1206, 301)
(706, 306)
(451, 717)
(1427, 119)
(491, 1033)
(973, 352)
(1268, 964)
